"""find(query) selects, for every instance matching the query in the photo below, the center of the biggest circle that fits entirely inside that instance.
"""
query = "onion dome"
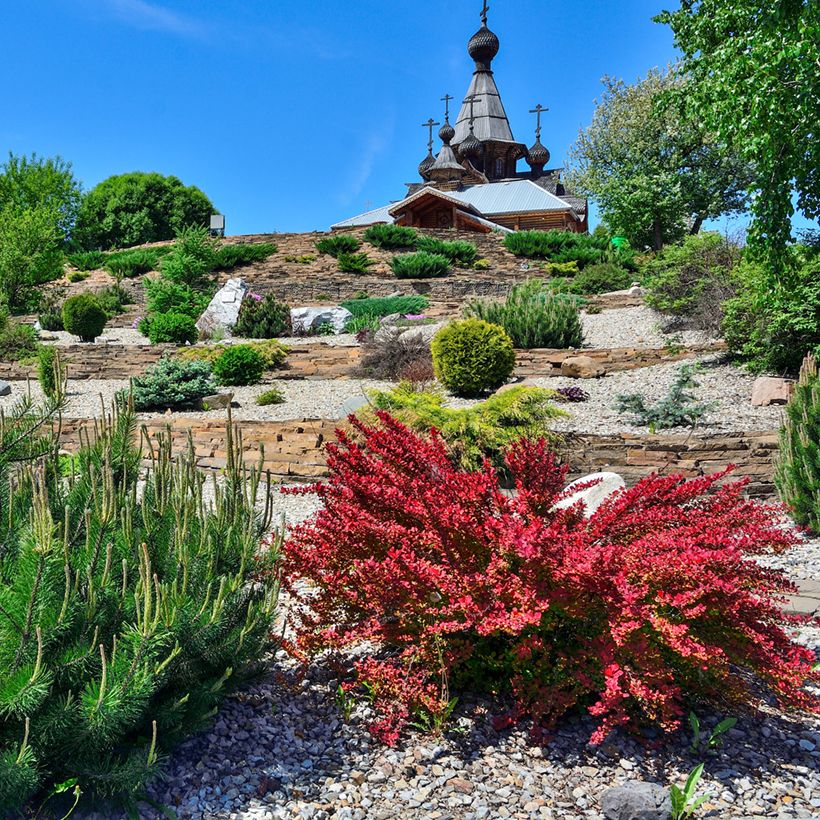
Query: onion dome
(483, 47)
(470, 146)
(426, 164)
(446, 133)
(538, 156)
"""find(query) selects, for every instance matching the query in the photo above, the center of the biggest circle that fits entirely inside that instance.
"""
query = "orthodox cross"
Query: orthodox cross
(472, 101)
(538, 110)
(446, 100)
(484, 12)
(430, 125)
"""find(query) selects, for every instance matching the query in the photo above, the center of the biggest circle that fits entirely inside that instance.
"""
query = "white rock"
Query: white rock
(222, 313)
(353, 405)
(423, 332)
(592, 497)
(306, 319)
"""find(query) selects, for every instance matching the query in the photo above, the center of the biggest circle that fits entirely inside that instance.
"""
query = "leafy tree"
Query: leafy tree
(655, 173)
(132, 209)
(756, 85)
(29, 183)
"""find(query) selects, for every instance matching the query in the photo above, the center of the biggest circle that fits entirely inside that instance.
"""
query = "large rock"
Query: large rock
(5, 388)
(306, 319)
(424, 333)
(353, 405)
(219, 401)
(637, 801)
(768, 390)
(582, 367)
(593, 497)
(221, 315)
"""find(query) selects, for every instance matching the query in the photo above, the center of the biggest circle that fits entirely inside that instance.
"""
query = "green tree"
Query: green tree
(655, 173)
(132, 209)
(756, 85)
(29, 183)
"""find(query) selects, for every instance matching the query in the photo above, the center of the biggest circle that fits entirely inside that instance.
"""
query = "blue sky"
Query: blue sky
(292, 115)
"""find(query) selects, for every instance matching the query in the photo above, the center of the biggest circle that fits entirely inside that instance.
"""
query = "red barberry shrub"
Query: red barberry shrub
(653, 602)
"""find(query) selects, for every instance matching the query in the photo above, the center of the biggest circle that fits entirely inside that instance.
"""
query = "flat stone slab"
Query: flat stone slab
(808, 601)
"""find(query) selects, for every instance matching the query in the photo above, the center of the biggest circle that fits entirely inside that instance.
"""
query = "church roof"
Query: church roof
(491, 121)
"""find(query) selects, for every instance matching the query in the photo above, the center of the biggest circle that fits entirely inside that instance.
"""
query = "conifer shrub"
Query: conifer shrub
(272, 352)
(566, 247)
(338, 244)
(77, 276)
(86, 260)
(172, 382)
(604, 277)
(797, 473)
(83, 316)
(453, 587)
(126, 617)
(137, 262)
(387, 305)
(172, 328)
(238, 366)
(17, 341)
(50, 371)
(391, 237)
(270, 397)
(354, 262)
(420, 265)
(192, 259)
(534, 316)
(228, 257)
(460, 253)
(113, 299)
(472, 357)
(262, 318)
(165, 296)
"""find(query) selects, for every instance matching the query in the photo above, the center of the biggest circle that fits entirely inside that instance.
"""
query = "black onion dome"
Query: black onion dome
(426, 164)
(470, 146)
(446, 133)
(538, 156)
(484, 46)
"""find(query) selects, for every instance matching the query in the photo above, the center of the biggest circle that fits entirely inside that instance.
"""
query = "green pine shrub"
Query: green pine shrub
(77, 276)
(534, 316)
(566, 247)
(87, 260)
(239, 365)
(165, 296)
(561, 268)
(229, 257)
(797, 467)
(354, 262)
(471, 357)
(172, 382)
(192, 259)
(270, 397)
(126, 617)
(262, 318)
(338, 244)
(136, 262)
(113, 300)
(420, 265)
(387, 305)
(604, 277)
(272, 352)
(51, 318)
(485, 430)
(460, 253)
(83, 316)
(17, 341)
(50, 371)
(391, 237)
(172, 328)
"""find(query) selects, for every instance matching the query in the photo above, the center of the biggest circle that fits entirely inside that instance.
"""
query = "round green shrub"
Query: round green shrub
(421, 265)
(172, 328)
(83, 316)
(604, 277)
(262, 319)
(239, 366)
(472, 356)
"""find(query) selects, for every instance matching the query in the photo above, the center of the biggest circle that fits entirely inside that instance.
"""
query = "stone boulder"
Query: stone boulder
(219, 401)
(768, 390)
(353, 405)
(423, 333)
(222, 313)
(637, 801)
(582, 367)
(304, 320)
(5, 388)
(594, 496)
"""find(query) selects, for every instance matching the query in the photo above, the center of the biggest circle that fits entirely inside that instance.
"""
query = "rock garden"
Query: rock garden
(443, 627)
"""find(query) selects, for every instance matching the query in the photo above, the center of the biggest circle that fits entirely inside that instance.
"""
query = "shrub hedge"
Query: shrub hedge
(420, 265)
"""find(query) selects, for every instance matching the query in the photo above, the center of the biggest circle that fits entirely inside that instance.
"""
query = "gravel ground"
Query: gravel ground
(633, 327)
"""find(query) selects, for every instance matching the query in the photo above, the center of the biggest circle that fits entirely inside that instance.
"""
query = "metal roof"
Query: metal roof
(491, 121)
(368, 218)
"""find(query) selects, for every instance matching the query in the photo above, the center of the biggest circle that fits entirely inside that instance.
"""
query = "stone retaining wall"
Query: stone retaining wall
(293, 450)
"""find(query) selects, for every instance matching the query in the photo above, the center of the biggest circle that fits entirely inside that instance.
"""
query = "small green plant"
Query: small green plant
(304, 259)
(366, 322)
(50, 372)
(113, 300)
(482, 264)
(679, 409)
(473, 356)
(391, 237)
(172, 382)
(77, 276)
(712, 740)
(87, 260)
(344, 702)
(270, 397)
(460, 253)
(137, 262)
(534, 316)
(387, 305)
(272, 352)
(229, 257)
(325, 329)
(337, 245)
(83, 316)
(420, 265)
(593, 310)
(354, 262)
(262, 318)
(685, 802)
(17, 341)
(164, 296)
(172, 328)
(238, 366)
(564, 247)
(561, 268)
(605, 277)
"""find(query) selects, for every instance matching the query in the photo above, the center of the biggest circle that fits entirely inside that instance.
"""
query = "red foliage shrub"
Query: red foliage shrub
(654, 601)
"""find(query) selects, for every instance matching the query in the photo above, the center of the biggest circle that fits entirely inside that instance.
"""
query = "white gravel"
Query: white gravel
(633, 327)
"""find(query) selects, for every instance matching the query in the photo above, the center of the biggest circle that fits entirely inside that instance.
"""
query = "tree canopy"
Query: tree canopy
(755, 69)
(132, 209)
(655, 173)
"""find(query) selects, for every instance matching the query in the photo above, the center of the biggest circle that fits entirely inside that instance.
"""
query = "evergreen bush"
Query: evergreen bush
(239, 366)
(192, 258)
(164, 296)
(270, 397)
(126, 616)
(472, 356)
(137, 262)
(17, 341)
(604, 277)
(87, 260)
(567, 247)
(229, 257)
(354, 262)
(172, 328)
(391, 237)
(50, 371)
(534, 316)
(797, 473)
(387, 305)
(113, 300)
(420, 265)
(463, 254)
(83, 316)
(338, 244)
(272, 352)
(262, 318)
(172, 382)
